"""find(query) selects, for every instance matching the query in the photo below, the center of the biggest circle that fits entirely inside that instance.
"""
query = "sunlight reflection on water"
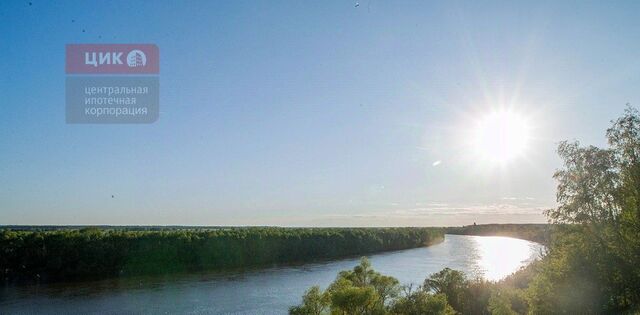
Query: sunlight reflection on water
(501, 256)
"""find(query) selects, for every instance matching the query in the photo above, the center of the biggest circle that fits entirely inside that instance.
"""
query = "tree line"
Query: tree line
(93, 253)
(539, 233)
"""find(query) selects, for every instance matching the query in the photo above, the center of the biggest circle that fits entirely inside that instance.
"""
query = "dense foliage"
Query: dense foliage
(592, 265)
(366, 292)
(592, 261)
(98, 253)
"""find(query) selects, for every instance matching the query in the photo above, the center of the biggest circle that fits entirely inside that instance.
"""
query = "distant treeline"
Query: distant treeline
(40, 228)
(539, 233)
(94, 253)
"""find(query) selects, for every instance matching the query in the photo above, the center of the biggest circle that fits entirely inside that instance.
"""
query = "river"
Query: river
(264, 291)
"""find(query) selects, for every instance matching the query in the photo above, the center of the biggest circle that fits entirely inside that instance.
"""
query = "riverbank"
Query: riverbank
(94, 253)
(539, 233)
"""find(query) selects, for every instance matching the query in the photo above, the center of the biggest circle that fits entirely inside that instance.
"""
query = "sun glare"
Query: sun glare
(500, 256)
(501, 136)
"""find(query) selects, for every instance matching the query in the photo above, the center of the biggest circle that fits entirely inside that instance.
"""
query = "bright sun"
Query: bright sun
(501, 136)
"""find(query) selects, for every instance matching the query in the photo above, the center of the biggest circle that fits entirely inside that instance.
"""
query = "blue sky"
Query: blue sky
(309, 113)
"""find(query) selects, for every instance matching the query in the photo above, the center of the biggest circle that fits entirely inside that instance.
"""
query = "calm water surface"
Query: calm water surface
(267, 291)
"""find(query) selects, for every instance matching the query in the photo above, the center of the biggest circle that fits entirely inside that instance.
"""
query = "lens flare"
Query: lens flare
(501, 136)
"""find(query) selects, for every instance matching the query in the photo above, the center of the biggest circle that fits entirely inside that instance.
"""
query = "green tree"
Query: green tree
(421, 302)
(349, 299)
(361, 290)
(449, 282)
(500, 304)
(314, 302)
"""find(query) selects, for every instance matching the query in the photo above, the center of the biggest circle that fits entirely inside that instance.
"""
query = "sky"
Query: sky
(300, 113)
